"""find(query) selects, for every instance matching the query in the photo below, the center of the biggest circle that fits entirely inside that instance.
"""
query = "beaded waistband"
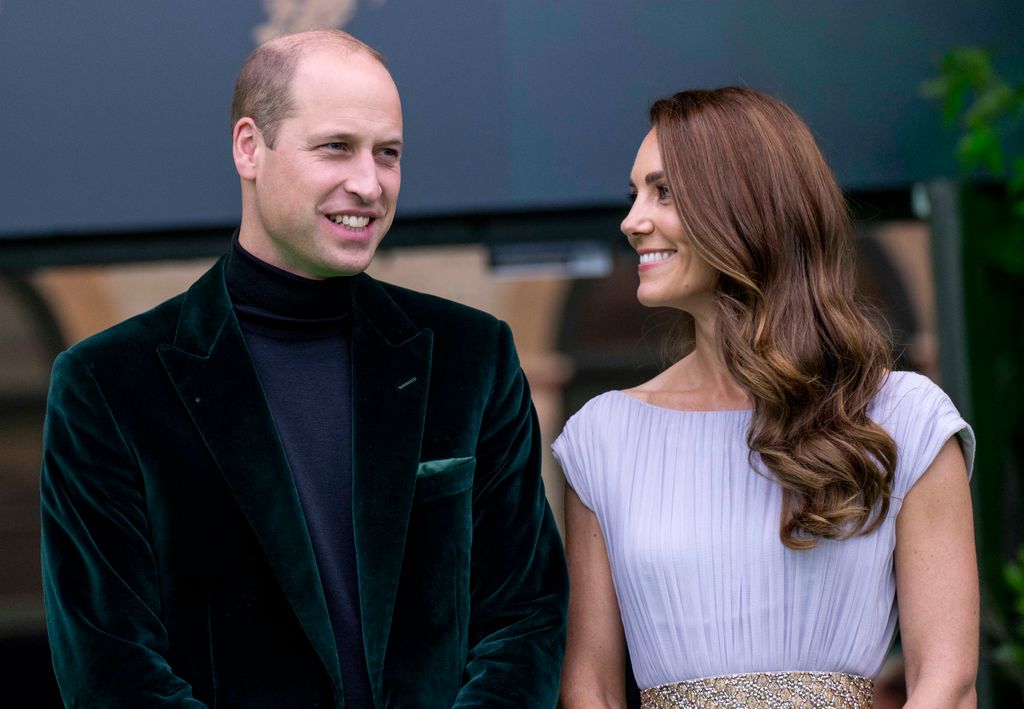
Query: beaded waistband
(763, 690)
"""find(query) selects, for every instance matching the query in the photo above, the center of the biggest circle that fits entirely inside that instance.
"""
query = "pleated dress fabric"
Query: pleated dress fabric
(691, 525)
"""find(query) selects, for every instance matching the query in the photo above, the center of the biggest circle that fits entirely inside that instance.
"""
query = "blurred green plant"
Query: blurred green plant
(1007, 628)
(988, 111)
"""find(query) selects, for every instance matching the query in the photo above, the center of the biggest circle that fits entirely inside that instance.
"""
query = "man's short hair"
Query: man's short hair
(263, 88)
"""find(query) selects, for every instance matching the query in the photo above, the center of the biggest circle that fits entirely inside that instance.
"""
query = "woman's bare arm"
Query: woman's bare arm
(937, 586)
(593, 675)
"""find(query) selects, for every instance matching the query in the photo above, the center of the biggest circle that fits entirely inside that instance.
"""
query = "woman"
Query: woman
(742, 522)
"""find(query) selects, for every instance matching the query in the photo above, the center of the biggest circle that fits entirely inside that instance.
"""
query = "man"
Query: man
(293, 485)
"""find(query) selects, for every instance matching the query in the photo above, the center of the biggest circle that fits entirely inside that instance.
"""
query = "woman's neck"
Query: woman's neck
(700, 381)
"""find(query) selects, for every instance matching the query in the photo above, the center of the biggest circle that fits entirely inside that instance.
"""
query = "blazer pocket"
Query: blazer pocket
(440, 478)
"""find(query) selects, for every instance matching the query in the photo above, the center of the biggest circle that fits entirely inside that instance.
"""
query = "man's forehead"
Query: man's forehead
(323, 59)
(334, 92)
(324, 72)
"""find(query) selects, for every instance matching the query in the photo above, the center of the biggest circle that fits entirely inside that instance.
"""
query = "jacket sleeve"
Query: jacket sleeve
(100, 580)
(518, 578)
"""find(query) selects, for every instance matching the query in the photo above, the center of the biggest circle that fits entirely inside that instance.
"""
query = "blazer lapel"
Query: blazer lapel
(218, 385)
(390, 374)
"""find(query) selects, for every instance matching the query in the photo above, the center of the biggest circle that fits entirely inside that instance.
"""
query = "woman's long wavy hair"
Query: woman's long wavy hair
(761, 206)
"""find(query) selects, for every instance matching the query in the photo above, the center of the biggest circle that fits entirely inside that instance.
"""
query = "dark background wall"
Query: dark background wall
(114, 114)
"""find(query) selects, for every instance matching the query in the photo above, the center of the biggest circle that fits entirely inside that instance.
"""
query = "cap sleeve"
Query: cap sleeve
(923, 419)
(574, 451)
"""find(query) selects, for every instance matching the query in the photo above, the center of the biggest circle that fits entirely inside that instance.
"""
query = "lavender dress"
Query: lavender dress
(704, 585)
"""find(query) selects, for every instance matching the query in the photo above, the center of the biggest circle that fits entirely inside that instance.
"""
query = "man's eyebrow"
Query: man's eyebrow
(322, 138)
(332, 137)
(653, 177)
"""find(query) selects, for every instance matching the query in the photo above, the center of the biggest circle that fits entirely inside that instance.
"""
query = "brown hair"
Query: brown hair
(263, 88)
(761, 206)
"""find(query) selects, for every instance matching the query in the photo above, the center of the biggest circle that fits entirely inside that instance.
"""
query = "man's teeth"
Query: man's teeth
(653, 256)
(350, 220)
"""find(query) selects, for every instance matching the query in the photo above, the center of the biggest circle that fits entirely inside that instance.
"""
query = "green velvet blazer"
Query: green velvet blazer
(177, 567)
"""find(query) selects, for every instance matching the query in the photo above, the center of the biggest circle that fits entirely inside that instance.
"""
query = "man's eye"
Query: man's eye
(335, 146)
(390, 154)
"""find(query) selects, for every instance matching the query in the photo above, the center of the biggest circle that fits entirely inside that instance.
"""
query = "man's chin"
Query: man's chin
(335, 268)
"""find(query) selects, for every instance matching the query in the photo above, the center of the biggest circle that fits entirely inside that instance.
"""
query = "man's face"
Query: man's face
(319, 202)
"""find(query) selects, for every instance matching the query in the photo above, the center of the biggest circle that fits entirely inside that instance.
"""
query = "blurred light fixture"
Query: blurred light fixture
(550, 259)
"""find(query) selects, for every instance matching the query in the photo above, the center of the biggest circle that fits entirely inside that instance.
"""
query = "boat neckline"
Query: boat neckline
(649, 405)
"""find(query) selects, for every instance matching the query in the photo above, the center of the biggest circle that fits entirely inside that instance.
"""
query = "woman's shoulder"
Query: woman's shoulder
(596, 424)
(600, 410)
(920, 417)
(905, 394)
(579, 447)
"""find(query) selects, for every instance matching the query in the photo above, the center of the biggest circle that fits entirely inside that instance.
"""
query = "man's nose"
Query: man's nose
(361, 178)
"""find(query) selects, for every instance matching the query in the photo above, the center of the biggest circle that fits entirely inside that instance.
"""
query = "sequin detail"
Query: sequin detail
(764, 690)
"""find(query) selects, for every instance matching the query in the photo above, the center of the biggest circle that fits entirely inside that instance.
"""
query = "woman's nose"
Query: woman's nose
(635, 224)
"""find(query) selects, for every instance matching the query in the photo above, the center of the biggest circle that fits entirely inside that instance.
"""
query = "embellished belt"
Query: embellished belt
(763, 690)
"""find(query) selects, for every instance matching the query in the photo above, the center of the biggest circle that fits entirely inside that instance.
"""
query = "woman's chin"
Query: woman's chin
(650, 299)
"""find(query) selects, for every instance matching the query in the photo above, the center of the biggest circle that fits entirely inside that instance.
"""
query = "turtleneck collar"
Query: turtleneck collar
(275, 302)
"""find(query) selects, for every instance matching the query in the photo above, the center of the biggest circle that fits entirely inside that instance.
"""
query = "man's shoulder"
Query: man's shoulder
(144, 331)
(437, 313)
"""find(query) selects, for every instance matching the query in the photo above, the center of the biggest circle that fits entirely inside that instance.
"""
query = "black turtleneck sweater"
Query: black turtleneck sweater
(299, 336)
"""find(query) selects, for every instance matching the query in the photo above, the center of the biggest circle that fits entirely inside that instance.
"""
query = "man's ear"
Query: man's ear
(246, 142)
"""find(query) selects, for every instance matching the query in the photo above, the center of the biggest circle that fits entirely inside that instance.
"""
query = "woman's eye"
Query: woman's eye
(631, 196)
(663, 192)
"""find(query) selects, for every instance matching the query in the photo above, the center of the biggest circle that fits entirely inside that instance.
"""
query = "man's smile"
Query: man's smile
(352, 221)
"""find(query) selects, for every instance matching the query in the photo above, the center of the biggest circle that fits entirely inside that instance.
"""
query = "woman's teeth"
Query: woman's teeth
(653, 256)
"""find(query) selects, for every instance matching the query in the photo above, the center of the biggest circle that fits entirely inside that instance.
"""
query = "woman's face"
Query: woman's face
(671, 273)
